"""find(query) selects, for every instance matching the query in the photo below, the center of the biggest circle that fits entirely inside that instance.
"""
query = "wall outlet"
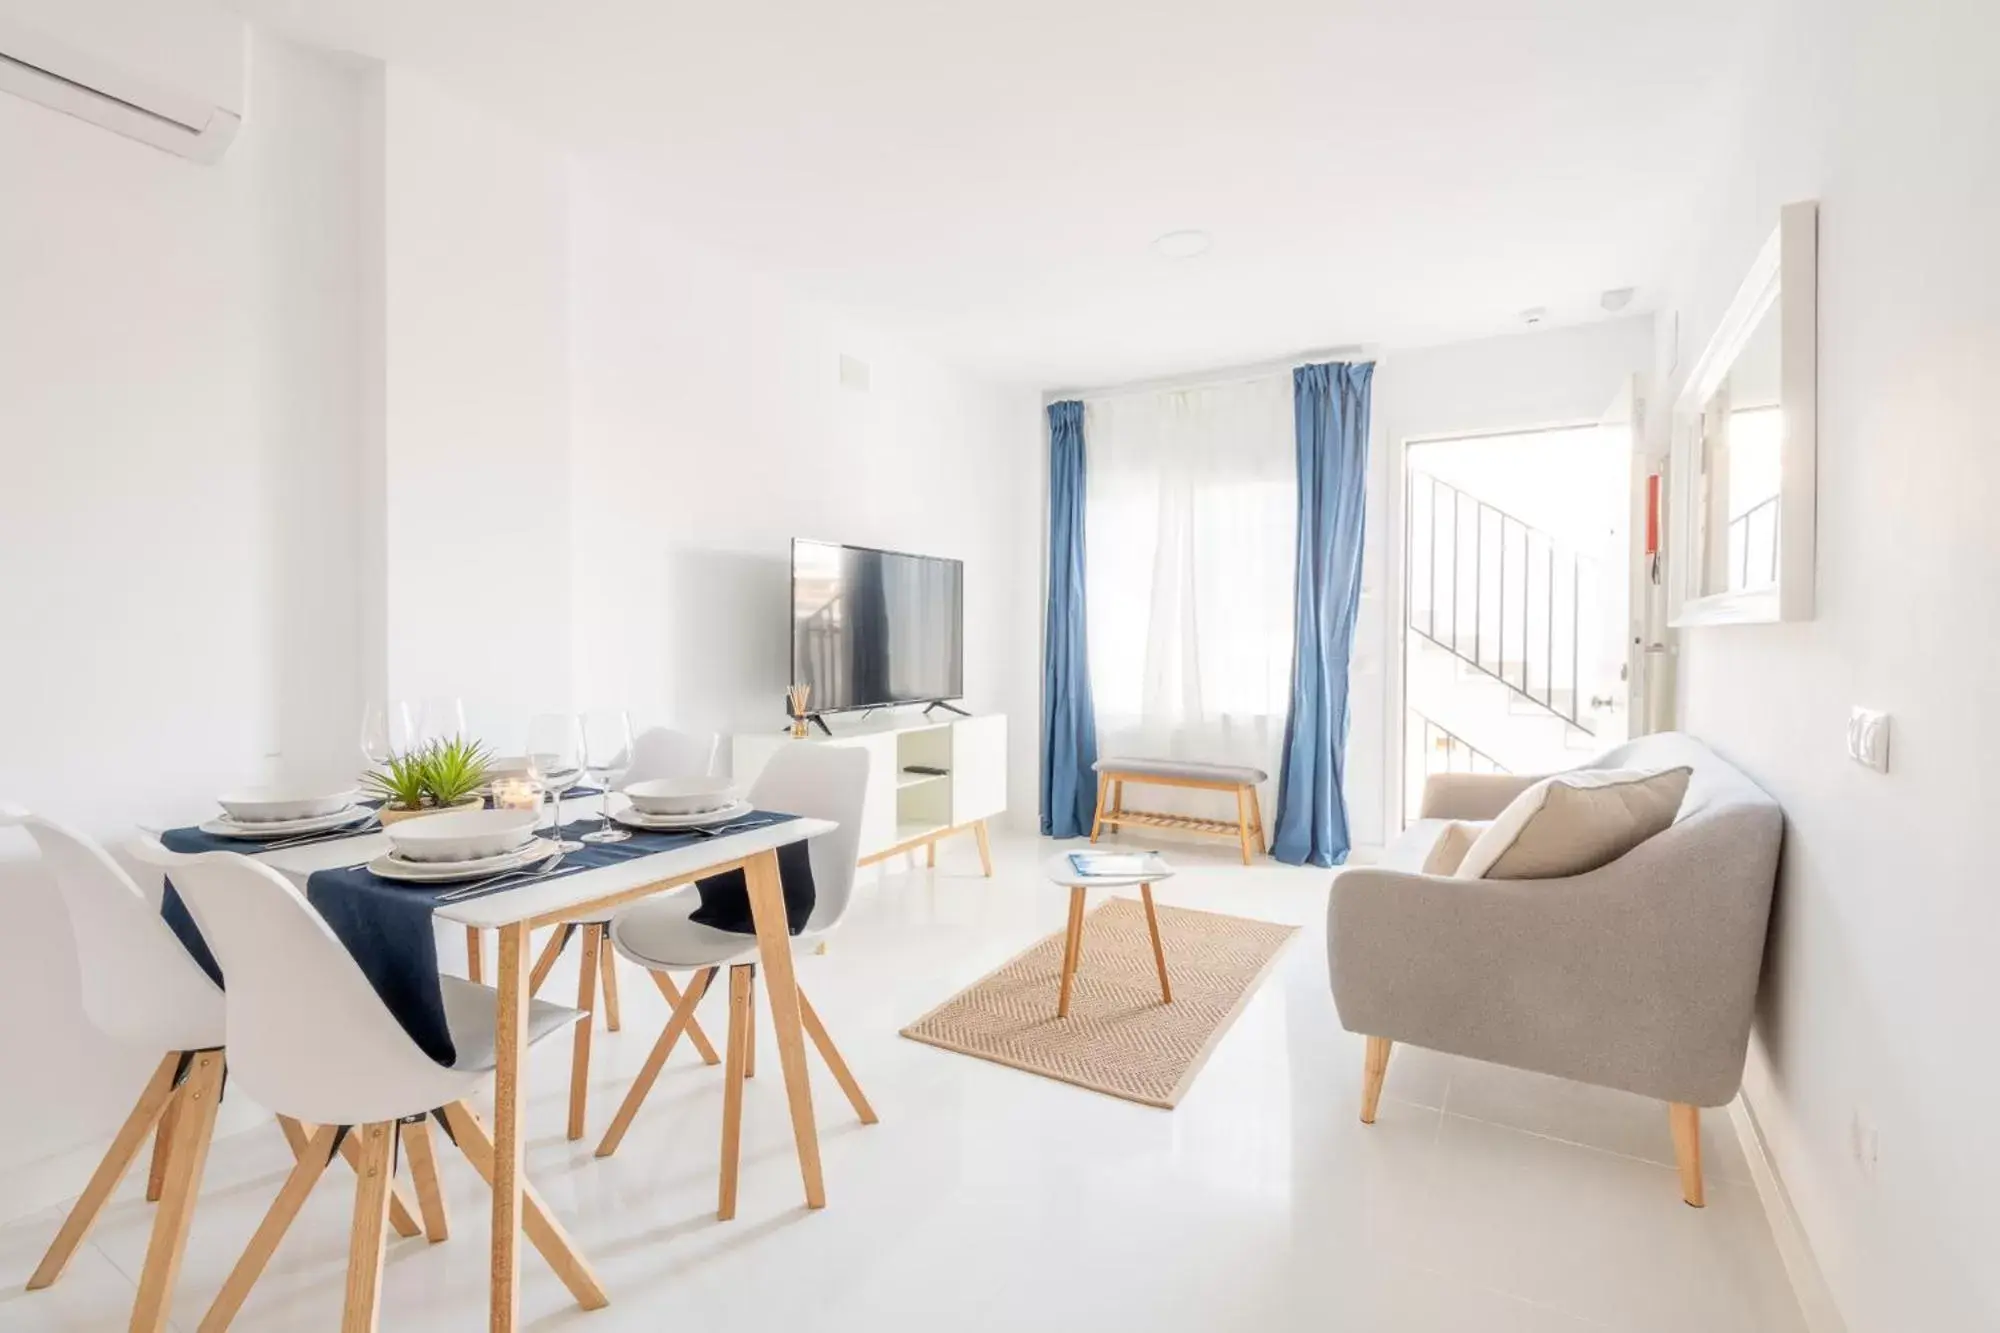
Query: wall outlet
(1868, 739)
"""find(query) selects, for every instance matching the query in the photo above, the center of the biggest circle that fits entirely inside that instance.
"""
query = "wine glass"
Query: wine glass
(440, 719)
(607, 752)
(386, 732)
(555, 759)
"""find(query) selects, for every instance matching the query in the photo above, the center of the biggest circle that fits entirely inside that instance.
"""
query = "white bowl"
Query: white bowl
(273, 805)
(462, 835)
(680, 796)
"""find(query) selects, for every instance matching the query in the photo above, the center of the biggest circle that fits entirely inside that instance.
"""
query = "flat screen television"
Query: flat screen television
(873, 628)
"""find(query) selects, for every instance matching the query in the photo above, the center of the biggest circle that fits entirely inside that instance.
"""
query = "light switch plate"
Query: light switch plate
(1868, 739)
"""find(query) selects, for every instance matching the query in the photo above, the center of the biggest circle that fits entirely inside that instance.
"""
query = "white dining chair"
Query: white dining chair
(143, 989)
(657, 752)
(309, 1038)
(814, 781)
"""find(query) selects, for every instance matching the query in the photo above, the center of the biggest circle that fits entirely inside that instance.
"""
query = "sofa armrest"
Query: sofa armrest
(1471, 795)
(1639, 975)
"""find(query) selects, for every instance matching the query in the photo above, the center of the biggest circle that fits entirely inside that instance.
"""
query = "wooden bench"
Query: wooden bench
(1113, 774)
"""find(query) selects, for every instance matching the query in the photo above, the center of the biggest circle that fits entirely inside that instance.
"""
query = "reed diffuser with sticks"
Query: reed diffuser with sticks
(798, 695)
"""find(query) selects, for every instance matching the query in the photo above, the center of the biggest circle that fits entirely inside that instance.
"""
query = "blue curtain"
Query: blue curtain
(1330, 413)
(1069, 725)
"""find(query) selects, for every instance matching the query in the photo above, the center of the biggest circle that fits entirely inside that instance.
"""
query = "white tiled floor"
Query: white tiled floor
(1483, 1199)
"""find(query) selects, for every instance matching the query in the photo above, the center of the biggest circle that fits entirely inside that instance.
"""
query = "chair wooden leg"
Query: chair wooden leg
(314, 1156)
(1686, 1122)
(156, 1170)
(1374, 1070)
(545, 962)
(607, 963)
(735, 1070)
(111, 1168)
(1072, 951)
(985, 847)
(424, 1173)
(1243, 822)
(194, 1125)
(672, 994)
(1097, 817)
(750, 1032)
(829, 1053)
(588, 974)
(543, 1231)
(402, 1216)
(1159, 954)
(363, 1305)
(643, 1084)
(475, 955)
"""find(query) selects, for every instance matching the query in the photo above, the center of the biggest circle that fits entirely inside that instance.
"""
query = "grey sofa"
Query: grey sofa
(1639, 975)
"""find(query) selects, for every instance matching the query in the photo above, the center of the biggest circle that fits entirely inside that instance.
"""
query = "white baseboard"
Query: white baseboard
(1801, 1266)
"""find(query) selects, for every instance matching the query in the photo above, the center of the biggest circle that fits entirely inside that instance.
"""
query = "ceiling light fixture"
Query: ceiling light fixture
(1183, 244)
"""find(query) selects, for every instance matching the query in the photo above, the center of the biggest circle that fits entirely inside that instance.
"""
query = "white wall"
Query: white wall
(1880, 992)
(176, 515)
(474, 395)
(710, 427)
(1554, 378)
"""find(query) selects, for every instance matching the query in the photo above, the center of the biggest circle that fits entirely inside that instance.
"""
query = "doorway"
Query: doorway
(1517, 577)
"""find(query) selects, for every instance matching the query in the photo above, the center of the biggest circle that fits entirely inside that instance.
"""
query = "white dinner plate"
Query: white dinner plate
(700, 819)
(222, 826)
(390, 866)
(283, 805)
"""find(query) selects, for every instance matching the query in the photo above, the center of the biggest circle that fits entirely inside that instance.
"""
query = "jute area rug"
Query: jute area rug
(1119, 1038)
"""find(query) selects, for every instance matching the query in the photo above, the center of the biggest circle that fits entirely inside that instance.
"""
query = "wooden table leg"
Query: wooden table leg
(588, 976)
(194, 1125)
(1159, 954)
(985, 848)
(510, 1035)
(1072, 950)
(774, 950)
(475, 955)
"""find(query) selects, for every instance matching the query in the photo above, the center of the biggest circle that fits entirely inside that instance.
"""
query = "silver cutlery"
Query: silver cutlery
(740, 826)
(523, 873)
(369, 825)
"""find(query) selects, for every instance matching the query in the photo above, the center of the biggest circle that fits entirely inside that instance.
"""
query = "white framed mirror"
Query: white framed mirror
(1745, 444)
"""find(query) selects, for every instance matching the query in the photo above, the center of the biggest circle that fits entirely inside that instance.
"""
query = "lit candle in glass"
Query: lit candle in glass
(517, 794)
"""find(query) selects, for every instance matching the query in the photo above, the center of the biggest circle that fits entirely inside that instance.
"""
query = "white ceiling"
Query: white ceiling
(988, 177)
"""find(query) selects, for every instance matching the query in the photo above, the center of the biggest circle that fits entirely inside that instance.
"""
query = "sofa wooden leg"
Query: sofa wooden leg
(1373, 1072)
(1686, 1121)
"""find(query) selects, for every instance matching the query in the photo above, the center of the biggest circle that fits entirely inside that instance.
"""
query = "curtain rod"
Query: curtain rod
(1208, 379)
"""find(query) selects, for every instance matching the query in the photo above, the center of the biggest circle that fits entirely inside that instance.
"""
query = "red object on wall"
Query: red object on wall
(1653, 514)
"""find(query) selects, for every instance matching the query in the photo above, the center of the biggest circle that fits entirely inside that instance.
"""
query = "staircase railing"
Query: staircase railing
(1523, 590)
(1460, 754)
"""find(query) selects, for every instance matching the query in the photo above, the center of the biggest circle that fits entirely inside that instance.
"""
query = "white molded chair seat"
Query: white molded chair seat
(310, 1039)
(142, 988)
(806, 779)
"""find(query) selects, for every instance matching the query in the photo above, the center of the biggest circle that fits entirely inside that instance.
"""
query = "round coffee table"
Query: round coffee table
(1059, 869)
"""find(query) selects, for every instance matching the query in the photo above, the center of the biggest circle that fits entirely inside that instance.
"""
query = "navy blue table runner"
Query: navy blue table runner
(386, 925)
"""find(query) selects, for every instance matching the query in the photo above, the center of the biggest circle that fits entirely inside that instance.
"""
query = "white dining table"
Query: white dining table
(511, 913)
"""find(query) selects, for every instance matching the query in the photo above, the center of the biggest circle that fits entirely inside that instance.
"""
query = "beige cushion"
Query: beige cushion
(1458, 837)
(1575, 822)
(1430, 846)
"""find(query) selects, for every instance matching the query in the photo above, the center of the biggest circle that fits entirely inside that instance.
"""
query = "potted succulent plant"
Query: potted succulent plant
(445, 775)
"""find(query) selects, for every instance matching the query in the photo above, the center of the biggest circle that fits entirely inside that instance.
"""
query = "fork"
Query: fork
(741, 826)
(369, 825)
(541, 868)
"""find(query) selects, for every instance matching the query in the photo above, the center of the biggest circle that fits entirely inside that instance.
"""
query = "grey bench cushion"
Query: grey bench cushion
(1181, 768)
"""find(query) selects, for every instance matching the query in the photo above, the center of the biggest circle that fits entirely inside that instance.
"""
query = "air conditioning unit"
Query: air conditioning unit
(167, 75)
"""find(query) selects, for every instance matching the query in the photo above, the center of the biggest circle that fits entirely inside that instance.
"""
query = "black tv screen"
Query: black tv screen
(871, 628)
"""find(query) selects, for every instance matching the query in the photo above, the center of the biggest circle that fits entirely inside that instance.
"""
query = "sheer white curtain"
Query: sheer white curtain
(1190, 531)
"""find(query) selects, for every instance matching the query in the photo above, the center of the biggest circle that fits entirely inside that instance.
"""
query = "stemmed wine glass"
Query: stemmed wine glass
(555, 759)
(440, 719)
(607, 752)
(386, 732)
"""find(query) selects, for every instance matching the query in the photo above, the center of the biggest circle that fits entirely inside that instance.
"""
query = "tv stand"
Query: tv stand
(948, 707)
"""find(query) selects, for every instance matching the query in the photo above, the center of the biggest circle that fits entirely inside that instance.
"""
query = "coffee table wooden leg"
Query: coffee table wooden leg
(1159, 954)
(1072, 951)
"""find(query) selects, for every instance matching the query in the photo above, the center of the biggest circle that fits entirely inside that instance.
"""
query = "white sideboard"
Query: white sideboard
(902, 810)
